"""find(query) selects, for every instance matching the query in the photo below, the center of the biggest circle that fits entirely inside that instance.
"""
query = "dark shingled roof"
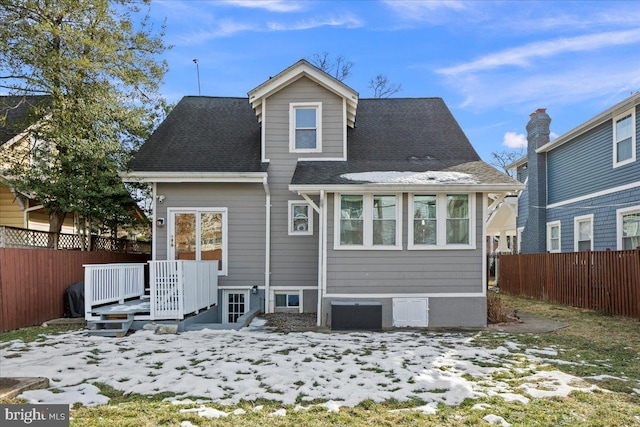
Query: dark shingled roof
(208, 134)
(204, 134)
(14, 114)
(405, 135)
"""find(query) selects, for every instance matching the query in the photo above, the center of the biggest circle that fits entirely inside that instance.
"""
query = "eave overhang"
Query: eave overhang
(295, 72)
(142, 176)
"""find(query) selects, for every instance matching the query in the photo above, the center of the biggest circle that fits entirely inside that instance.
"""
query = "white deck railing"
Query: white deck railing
(105, 283)
(177, 288)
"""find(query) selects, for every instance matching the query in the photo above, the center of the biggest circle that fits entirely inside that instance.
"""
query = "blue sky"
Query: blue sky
(493, 63)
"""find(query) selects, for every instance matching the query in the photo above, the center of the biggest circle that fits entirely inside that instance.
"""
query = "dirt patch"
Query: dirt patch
(11, 387)
(291, 321)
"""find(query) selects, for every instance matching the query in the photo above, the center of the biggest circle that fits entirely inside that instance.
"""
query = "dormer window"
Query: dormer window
(624, 139)
(305, 125)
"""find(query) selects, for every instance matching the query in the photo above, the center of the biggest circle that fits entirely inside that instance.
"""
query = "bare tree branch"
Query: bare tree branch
(382, 87)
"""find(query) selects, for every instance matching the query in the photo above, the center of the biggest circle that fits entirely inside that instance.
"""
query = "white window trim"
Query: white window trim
(225, 234)
(441, 223)
(367, 223)
(633, 139)
(292, 127)
(225, 305)
(309, 231)
(619, 214)
(519, 232)
(291, 292)
(553, 224)
(576, 228)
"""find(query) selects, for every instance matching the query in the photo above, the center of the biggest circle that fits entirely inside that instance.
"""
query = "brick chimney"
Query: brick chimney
(534, 238)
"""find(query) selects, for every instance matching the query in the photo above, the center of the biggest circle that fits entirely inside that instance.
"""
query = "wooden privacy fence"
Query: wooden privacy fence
(33, 281)
(603, 281)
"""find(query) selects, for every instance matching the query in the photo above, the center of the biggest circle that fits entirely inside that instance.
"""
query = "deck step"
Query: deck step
(110, 326)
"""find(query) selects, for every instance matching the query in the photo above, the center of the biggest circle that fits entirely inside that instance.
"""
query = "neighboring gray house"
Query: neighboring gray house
(583, 188)
(315, 200)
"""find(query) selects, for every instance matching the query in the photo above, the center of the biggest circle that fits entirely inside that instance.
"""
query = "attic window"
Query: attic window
(305, 127)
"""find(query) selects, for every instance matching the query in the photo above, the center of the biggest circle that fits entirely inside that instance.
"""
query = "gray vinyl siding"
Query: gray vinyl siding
(522, 173)
(523, 208)
(276, 120)
(585, 165)
(404, 271)
(294, 259)
(603, 209)
(246, 224)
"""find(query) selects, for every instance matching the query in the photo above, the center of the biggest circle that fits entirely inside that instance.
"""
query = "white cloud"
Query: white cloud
(567, 83)
(270, 5)
(347, 22)
(422, 10)
(514, 140)
(522, 55)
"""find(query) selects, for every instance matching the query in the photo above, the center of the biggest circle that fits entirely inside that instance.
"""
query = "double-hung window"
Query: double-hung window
(628, 224)
(305, 122)
(300, 218)
(583, 233)
(553, 236)
(368, 221)
(624, 138)
(441, 221)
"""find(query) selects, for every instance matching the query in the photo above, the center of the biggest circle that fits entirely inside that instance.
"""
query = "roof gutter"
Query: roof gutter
(250, 177)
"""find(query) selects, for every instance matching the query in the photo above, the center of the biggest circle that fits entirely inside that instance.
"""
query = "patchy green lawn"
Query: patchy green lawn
(604, 351)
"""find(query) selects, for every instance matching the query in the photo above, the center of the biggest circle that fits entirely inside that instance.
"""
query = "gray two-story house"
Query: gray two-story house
(583, 188)
(314, 200)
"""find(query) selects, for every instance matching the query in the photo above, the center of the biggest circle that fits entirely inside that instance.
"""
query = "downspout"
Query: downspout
(26, 214)
(321, 227)
(321, 231)
(154, 236)
(267, 249)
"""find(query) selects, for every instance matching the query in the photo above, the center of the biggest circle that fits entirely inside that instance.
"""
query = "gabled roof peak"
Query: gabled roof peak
(300, 69)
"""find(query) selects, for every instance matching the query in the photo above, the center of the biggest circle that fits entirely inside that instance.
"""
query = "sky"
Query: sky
(493, 63)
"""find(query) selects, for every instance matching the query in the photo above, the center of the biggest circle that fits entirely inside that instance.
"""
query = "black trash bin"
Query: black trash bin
(74, 300)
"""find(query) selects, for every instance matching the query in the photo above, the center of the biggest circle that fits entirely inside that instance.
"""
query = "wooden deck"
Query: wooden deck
(135, 306)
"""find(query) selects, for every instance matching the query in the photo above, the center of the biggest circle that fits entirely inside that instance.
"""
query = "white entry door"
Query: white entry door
(198, 234)
(234, 304)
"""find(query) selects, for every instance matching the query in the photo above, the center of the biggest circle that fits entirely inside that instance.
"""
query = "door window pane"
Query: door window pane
(211, 237)
(185, 236)
(384, 220)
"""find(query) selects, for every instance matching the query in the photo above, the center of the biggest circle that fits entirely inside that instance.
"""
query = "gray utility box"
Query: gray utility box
(352, 315)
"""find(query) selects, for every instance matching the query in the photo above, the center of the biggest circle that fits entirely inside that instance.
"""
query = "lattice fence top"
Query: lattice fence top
(13, 237)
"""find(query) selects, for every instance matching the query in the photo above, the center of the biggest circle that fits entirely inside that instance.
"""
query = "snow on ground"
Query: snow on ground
(229, 366)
